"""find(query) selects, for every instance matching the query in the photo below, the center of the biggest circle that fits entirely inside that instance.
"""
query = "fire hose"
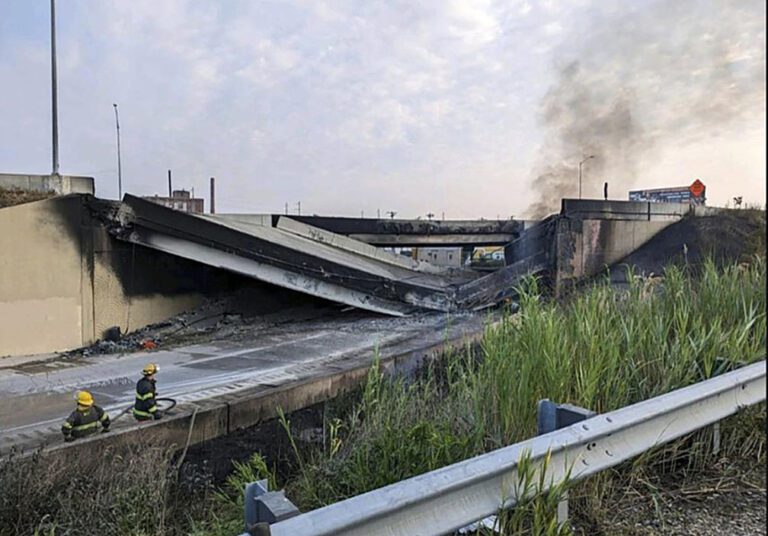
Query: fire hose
(164, 405)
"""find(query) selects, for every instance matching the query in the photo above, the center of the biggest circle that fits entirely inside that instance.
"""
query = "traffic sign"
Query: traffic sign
(697, 188)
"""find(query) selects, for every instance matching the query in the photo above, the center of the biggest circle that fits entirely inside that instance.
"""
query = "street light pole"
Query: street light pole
(54, 103)
(580, 164)
(119, 167)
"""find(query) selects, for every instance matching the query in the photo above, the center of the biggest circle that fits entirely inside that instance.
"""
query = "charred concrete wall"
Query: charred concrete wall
(43, 275)
(592, 235)
(134, 287)
(64, 280)
(586, 247)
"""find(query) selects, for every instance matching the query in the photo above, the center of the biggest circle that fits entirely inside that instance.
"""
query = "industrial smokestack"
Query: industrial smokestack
(213, 196)
(170, 185)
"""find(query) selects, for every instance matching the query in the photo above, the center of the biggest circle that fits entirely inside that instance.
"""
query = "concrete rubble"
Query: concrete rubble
(297, 256)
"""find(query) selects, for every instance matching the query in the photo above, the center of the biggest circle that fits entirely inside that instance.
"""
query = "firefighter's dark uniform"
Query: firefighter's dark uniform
(145, 407)
(84, 421)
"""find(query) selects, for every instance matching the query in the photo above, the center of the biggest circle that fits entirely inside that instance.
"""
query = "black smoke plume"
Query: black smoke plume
(634, 83)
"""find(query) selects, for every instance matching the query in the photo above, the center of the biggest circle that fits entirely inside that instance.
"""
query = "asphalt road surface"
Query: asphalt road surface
(38, 396)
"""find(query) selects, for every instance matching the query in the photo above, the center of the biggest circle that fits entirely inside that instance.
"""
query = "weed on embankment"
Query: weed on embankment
(602, 349)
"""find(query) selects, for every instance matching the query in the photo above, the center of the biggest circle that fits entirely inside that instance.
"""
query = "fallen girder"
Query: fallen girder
(297, 256)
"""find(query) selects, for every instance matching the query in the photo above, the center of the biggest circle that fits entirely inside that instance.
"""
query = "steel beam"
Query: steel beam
(435, 240)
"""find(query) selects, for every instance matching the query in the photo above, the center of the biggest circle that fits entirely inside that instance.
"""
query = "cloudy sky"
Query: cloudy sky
(468, 108)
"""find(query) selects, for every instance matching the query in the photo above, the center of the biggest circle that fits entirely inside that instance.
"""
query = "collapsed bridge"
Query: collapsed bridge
(82, 265)
(292, 254)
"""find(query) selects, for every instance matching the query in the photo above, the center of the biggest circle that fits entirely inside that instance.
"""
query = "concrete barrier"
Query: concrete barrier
(624, 210)
(59, 184)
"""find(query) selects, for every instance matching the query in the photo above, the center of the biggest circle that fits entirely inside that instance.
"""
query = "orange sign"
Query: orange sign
(697, 188)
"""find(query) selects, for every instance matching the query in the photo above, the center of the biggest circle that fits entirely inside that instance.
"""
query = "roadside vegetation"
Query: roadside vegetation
(601, 348)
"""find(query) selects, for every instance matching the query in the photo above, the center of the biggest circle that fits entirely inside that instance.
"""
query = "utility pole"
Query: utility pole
(286, 209)
(54, 101)
(119, 167)
(580, 164)
(378, 213)
(298, 208)
(170, 185)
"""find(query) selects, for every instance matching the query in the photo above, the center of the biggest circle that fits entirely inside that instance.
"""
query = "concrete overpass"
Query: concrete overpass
(383, 232)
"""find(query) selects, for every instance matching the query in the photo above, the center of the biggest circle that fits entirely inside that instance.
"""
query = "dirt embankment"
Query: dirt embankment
(727, 499)
(730, 236)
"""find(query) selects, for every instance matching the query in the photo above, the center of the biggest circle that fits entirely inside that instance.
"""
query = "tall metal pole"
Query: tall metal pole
(54, 102)
(119, 166)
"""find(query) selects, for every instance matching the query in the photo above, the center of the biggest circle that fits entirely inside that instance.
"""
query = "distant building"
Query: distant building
(495, 253)
(439, 256)
(695, 194)
(180, 200)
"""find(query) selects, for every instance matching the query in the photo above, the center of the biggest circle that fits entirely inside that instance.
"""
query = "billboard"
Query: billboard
(694, 194)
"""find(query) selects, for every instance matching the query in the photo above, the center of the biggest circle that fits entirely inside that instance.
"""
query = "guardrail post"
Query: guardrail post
(264, 507)
(552, 417)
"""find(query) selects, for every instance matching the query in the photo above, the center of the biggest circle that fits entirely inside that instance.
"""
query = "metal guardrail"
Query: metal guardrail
(449, 498)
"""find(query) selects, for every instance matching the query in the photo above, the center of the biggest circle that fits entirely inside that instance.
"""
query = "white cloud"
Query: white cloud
(401, 104)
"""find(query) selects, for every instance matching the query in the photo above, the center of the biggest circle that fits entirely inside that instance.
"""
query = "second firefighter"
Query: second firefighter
(145, 408)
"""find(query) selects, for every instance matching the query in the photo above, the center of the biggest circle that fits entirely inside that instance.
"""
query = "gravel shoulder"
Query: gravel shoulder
(729, 499)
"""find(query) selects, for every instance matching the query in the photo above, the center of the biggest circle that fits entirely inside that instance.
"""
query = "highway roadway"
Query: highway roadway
(38, 396)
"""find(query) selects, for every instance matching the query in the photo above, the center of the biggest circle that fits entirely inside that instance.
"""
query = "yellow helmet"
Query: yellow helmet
(150, 369)
(84, 398)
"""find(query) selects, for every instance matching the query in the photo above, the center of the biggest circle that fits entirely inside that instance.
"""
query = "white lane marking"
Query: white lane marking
(92, 372)
(235, 381)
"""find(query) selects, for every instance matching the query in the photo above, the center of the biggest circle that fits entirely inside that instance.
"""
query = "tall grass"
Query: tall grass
(602, 349)
(607, 348)
(109, 491)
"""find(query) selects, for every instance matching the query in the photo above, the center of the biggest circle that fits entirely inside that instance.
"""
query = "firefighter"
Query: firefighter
(86, 419)
(145, 408)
